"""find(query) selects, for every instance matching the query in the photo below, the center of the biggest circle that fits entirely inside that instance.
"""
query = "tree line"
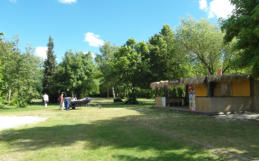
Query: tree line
(193, 48)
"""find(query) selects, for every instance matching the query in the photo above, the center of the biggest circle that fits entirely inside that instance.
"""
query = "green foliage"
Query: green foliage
(130, 67)
(243, 25)
(49, 69)
(165, 62)
(131, 100)
(117, 99)
(178, 91)
(144, 93)
(76, 75)
(103, 63)
(203, 44)
(18, 74)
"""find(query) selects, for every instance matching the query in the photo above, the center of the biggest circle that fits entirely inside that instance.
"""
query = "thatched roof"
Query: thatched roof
(215, 78)
(194, 81)
(218, 78)
(199, 80)
(166, 84)
(161, 84)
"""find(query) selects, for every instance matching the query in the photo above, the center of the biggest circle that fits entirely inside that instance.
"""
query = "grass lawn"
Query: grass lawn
(126, 133)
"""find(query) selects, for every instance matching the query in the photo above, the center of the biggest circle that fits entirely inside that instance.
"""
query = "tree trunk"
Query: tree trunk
(108, 92)
(113, 93)
(9, 95)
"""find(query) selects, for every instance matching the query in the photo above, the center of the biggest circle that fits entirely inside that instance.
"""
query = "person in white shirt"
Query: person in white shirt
(45, 99)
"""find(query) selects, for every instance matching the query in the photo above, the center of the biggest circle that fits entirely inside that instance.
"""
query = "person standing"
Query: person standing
(45, 99)
(61, 99)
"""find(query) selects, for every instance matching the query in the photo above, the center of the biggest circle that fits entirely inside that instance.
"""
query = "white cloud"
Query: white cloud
(67, 1)
(93, 39)
(41, 51)
(217, 8)
(203, 4)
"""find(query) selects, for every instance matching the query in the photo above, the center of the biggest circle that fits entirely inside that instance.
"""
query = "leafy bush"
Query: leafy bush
(131, 100)
(117, 99)
(1, 105)
(144, 93)
(178, 91)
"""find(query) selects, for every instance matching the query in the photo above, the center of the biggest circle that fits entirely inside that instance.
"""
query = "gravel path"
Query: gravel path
(14, 121)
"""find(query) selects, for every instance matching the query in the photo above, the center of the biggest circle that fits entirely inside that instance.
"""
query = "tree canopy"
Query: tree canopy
(19, 74)
(76, 75)
(49, 69)
(244, 26)
(166, 62)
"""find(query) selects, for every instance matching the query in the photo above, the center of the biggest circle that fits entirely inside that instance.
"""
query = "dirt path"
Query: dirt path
(15, 121)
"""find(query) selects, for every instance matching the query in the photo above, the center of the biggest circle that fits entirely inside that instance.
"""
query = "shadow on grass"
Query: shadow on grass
(118, 133)
(105, 104)
(129, 133)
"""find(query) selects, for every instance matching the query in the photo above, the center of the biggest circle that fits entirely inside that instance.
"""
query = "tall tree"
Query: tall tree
(103, 62)
(76, 75)
(9, 55)
(244, 26)
(49, 69)
(130, 67)
(165, 62)
(18, 74)
(28, 71)
(203, 44)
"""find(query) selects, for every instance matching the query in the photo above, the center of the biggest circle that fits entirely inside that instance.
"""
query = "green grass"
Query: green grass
(126, 133)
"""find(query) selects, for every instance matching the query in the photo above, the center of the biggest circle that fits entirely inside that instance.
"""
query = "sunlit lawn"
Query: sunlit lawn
(126, 133)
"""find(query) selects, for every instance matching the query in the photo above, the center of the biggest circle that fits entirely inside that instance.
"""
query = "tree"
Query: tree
(49, 69)
(9, 55)
(18, 74)
(103, 63)
(166, 63)
(130, 68)
(203, 44)
(76, 75)
(244, 26)
(28, 71)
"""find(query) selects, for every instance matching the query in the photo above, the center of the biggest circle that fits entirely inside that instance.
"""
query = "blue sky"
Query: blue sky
(84, 24)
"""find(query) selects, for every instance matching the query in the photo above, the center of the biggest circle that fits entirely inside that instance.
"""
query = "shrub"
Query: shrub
(131, 100)
(117, 99)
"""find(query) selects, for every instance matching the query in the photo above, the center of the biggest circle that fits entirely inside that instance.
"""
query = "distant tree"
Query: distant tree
(28, 72)
(166, 63)
(103, 63)
(76, 75)
(49, 69)
(130, 68)
(243, 25)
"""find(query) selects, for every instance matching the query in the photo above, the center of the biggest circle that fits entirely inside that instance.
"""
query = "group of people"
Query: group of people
(61, 100)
